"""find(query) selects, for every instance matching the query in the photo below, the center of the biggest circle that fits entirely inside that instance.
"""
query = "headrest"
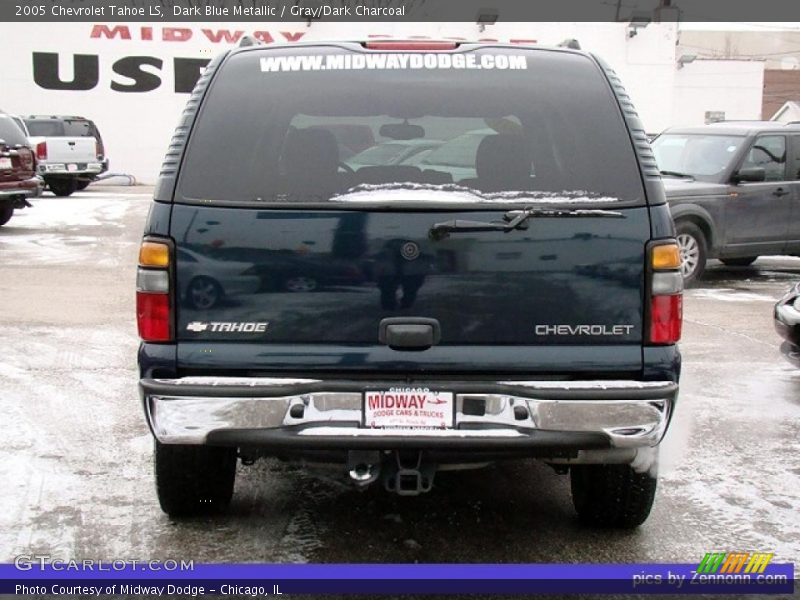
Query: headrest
(311, 150)
(503, 158)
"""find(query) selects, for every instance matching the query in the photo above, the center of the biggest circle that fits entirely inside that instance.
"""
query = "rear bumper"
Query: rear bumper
(26, 188)
(71, 169)
(304, 414)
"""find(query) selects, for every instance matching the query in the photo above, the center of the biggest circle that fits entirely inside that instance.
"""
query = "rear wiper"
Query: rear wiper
(513, 219)
(677, 174)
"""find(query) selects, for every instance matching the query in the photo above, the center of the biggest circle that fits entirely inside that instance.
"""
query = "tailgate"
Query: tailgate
(278, 277)
(16, 164)
(71, 149)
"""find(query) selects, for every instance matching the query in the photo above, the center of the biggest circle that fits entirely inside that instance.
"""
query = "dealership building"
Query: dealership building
(133, 79)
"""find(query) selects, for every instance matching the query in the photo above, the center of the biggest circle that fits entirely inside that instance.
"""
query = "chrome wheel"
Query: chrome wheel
(690, 254)
(204, 293)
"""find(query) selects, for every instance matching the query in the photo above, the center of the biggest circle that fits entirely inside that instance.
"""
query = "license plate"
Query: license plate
(408, 408)
(72, 167)
(5, 163)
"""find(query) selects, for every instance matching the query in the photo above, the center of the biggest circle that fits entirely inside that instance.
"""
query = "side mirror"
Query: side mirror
(751, 174)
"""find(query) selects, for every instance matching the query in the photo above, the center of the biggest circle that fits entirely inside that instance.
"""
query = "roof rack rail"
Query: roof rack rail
(570, 43)
(248, 40)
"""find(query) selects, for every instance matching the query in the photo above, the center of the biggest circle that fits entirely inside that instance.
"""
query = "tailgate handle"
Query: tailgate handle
(409, 333)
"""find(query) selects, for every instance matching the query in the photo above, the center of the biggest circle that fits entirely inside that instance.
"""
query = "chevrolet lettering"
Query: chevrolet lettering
(573, 330)
(394, 269)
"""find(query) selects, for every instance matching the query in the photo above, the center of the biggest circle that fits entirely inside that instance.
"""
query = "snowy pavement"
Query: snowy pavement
(75, 462)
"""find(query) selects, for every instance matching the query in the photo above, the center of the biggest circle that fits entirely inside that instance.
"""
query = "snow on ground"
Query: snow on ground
(67, 230)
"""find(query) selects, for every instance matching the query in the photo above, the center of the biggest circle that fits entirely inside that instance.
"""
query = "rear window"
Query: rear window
(61, 128)
(45, 127)
(11, 133)
(502, 125)
(78, 128)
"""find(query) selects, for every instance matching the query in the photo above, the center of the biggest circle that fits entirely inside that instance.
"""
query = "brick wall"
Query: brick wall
(780, 86)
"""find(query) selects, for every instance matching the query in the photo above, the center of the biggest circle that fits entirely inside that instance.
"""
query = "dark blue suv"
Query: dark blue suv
(518, 296)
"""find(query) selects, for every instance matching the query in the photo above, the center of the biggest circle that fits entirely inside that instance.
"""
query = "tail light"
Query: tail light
(98, 149)
(153, 298)
(41, 151)
(665, 314)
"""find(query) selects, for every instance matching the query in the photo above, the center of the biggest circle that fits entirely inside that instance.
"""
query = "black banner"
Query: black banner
(475, 11)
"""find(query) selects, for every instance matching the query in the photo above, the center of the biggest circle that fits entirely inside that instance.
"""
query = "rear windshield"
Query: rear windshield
(10, 132)
(60, 127)
(498, 124)
(79, 128)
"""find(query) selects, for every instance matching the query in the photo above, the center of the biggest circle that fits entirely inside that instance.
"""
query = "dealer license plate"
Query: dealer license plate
(408, 408)
(5, 163)
(72, 167)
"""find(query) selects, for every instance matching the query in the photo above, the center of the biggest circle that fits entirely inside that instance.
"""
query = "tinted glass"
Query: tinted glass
(78, 128)
(794, 168)
(11, 133)
(769, 153)
(381, 154)
(702, 156)
(45, 127)
(516, 125)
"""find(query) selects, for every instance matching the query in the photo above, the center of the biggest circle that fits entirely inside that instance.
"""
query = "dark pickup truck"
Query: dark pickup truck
(528, 306)
(734, 191)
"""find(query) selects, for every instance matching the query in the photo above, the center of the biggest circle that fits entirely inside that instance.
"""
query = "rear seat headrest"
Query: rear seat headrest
(503, 159)
(310, 151)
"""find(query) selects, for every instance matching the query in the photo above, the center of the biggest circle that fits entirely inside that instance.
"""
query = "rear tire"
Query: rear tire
(82, 184)
(62, 187)
(194, 480)
(612, 495)
(694, 250)
(6, 212)
(739, 262)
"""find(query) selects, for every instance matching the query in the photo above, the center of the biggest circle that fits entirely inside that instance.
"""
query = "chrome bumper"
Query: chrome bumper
(625, 414)
(19, 193)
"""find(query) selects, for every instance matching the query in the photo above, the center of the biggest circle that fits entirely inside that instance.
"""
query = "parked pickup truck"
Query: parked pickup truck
(528, 306)
(69, 151)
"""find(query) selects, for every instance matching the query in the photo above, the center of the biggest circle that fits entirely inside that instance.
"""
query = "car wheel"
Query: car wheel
(203, 293)
(612, 495)
(194, 480)
(739, 262)
(5, 213)
(62, 187)
(692, 245)
(301, 283)
(82, 184)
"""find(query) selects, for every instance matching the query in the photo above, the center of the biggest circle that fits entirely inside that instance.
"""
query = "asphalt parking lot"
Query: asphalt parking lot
(75, 462)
